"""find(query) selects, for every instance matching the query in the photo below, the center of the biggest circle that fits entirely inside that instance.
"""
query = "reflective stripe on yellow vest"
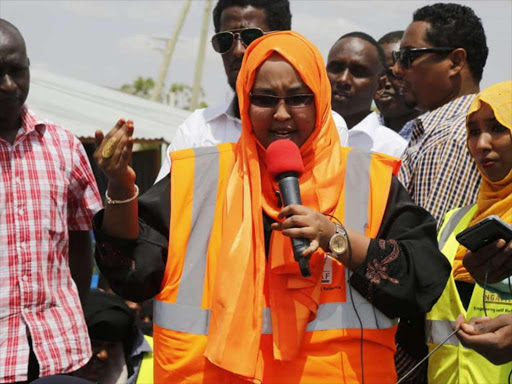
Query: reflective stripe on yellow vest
(453, 363)
(181, 317)
(145, 375)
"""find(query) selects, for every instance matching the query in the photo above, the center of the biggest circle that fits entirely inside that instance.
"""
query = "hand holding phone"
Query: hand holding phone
(487, 255)
(485, 232)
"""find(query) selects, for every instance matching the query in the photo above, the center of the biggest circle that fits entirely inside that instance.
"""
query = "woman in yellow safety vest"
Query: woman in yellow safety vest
(212, 241)
(489, 125)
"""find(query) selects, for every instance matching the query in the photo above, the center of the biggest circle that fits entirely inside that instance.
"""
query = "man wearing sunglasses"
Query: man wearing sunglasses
(395, 112)
(237, 23)
(441, 59)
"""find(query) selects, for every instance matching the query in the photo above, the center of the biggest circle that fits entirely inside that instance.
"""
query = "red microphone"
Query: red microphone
(284, 164)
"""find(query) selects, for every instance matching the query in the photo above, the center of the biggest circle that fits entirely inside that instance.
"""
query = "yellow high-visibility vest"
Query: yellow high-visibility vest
(145, 375)
(452, 362)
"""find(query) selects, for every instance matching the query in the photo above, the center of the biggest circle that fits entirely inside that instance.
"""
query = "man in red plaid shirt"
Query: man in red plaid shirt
(48, 197)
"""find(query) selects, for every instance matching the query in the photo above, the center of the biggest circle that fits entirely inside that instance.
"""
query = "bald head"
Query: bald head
(9, 31)
(14, 75)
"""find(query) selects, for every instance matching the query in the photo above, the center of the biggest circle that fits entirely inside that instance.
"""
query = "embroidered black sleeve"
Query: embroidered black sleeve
(377, 268)
(404, 272)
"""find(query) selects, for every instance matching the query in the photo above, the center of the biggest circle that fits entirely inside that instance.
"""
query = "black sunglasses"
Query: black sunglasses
(405, 56)
(223, 41)
(271, 101)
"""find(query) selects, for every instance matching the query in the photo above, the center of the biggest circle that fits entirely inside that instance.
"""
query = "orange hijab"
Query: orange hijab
(494, 197)
(238, 298)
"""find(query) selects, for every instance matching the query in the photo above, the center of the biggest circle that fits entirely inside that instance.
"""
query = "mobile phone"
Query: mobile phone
(485, 232)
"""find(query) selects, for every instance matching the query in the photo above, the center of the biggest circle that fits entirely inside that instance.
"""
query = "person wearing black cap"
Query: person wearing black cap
(121, 353)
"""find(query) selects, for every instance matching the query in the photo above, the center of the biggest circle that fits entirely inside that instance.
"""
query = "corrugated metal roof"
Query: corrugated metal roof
(83, 108)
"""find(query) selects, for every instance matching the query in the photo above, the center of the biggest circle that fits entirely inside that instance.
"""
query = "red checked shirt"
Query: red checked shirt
(46, 189)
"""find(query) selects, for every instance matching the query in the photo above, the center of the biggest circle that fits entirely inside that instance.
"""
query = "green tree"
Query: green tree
(180, 95)
(140, 87)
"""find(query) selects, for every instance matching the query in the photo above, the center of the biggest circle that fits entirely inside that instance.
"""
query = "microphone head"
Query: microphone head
(284, 156)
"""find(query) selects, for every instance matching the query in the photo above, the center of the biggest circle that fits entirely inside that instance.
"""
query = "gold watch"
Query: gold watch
(338, 243)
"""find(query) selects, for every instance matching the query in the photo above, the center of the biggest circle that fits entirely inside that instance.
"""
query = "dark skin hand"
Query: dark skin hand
(120, 220)
(492, 338)
(302, 222)
(117, 168)
(496, 258)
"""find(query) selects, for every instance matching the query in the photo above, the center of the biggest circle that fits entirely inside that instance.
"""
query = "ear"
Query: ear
(458, 59)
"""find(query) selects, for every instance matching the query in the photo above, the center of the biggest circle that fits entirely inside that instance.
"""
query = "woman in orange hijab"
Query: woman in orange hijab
(213, 243)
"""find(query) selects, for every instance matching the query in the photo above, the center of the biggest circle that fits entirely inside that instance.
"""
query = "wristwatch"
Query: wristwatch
(338, 243)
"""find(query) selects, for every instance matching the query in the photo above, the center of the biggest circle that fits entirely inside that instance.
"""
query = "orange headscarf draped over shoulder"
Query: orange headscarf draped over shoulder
(494, 197)
(238, 299)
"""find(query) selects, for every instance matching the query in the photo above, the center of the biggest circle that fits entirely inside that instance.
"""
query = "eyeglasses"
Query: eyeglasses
(223, 41)
(405, 56)
(271, 101)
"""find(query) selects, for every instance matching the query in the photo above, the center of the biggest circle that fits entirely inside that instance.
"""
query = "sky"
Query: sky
(113, 42)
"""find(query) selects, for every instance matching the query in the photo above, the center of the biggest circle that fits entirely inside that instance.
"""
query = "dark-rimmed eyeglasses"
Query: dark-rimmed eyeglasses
(405, 56)
(271, 101)
(223, 41)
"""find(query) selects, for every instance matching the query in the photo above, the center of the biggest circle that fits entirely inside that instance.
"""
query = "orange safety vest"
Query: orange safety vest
(331, 347)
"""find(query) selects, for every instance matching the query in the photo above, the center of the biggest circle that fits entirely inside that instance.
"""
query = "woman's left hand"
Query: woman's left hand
(492, 338)
(495, 259)
(303, 222)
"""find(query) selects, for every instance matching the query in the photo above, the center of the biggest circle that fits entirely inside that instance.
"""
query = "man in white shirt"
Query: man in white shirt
(236, 25)
(355, 65)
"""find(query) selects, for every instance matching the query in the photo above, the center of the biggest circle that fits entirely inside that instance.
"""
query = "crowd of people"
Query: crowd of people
(199, 280)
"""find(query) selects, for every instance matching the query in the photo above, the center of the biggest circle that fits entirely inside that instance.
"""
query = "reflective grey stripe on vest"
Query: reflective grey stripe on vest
(206, 176)
(187, 316)
(452, 223)
(189, 319)
(357, 195)
(438, 330)
(357, 189)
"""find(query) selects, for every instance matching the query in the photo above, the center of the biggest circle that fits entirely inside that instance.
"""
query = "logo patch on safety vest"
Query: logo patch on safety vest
(327, 273)
(495, 305)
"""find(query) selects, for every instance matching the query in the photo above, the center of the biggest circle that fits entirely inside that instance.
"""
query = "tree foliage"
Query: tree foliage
(140, 87)
(179, 94)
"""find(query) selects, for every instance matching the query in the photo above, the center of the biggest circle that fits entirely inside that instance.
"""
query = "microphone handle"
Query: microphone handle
(290, 193)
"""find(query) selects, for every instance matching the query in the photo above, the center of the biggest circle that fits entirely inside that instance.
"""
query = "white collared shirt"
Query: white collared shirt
(370, 135)
(215, 125)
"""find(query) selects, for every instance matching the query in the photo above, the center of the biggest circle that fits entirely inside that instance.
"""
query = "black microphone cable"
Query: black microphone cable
(349, 273)
(426, 357)
(445, 340)
(457, 330)
(355, 309)
(485, 310)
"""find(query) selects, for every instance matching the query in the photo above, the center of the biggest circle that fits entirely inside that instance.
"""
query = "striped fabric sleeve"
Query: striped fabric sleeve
(83, 195)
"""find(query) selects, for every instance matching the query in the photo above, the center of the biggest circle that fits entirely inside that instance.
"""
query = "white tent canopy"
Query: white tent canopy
(82, 108)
